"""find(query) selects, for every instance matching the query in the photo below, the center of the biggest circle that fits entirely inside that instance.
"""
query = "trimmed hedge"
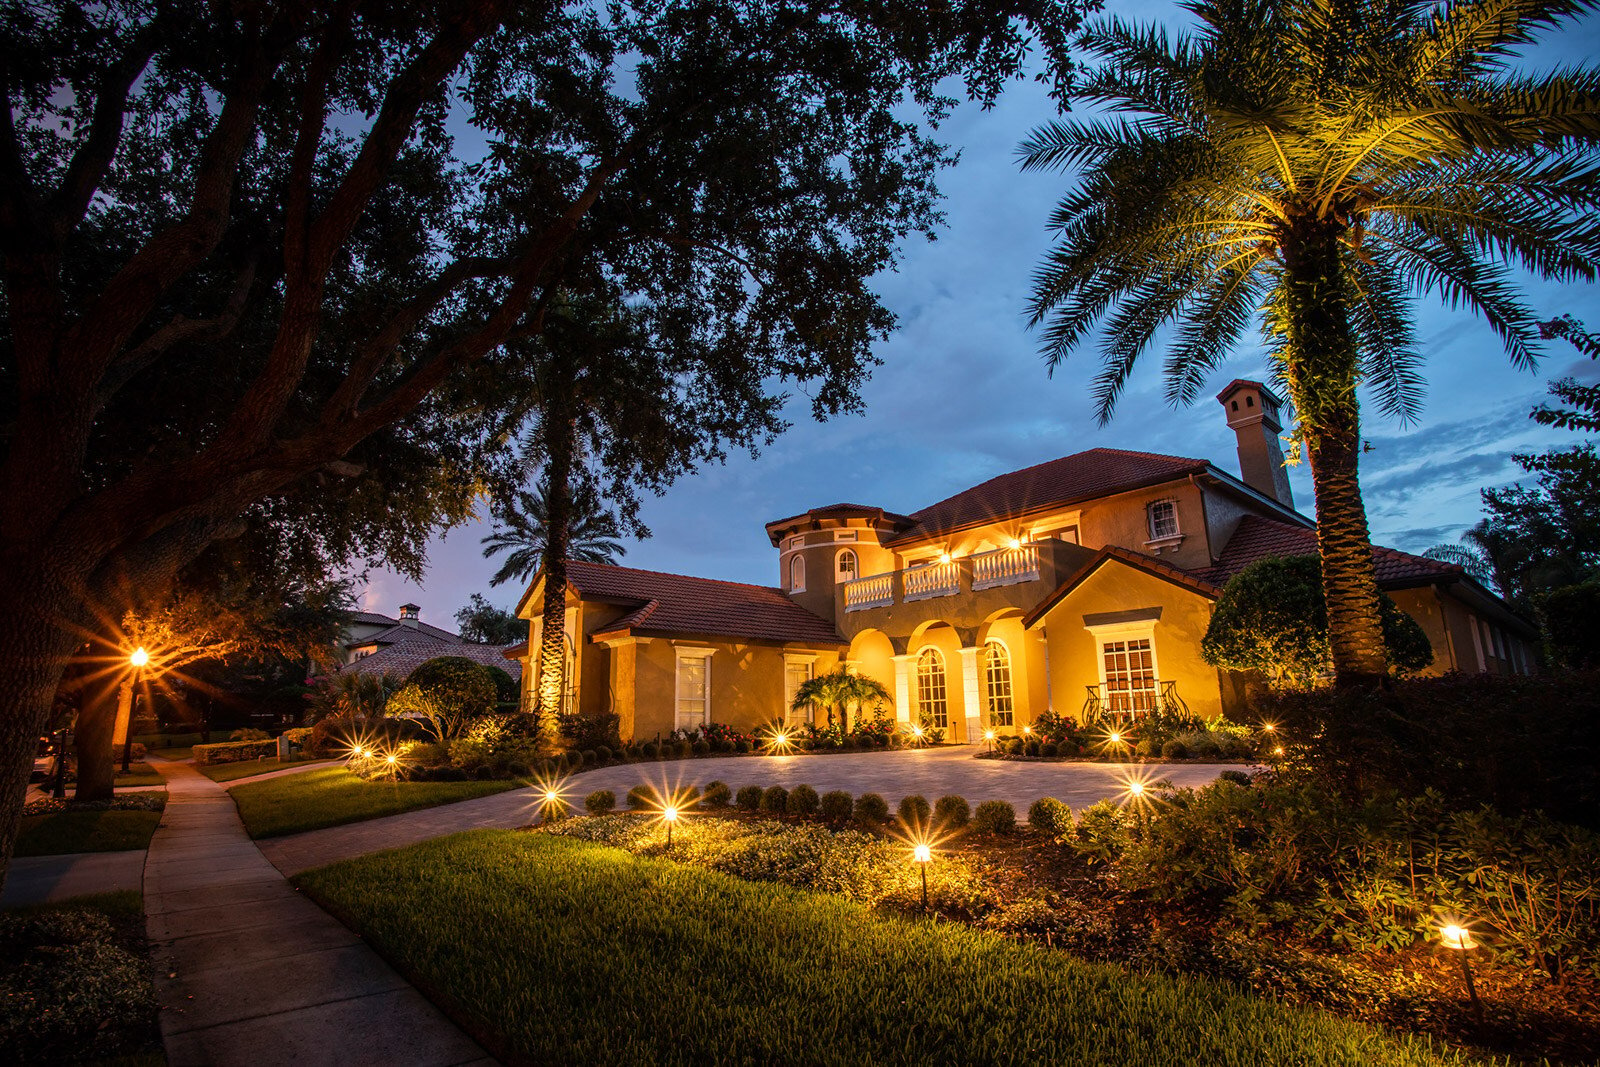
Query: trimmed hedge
(234, 752)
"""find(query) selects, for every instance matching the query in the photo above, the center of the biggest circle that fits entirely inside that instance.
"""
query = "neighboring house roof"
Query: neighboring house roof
(1257, 538)
(401, 659)
(373, 618)
(1085, 476)
(401, 632)
(679, 604)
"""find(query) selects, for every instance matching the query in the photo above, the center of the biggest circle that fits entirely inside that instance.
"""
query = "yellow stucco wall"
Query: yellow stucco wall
(1075, 651)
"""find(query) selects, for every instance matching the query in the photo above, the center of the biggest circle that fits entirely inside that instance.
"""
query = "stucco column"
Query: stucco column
(969, 693)
(903, 666)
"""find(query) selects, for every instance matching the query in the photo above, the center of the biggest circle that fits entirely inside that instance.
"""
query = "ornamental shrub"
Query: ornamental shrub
(590, 757)
(701, 748)
(641, 797)
(1147, 747)
(775, 798)
(462, 687)
(1175, 749)
(837, 805)
(871, 809)
(1030, 747)
(249, 733)
(803, 800)
(1100, 833)
(1050, 816)
(600, 801)
(1236, 777)
(914, 811)
(994, 817)
(651, 750)
(717, 794)
(683, 749)
(748, 798)
(741, 746)
(951, 812)
(1048, 749)
(582, 730)
(603, 754)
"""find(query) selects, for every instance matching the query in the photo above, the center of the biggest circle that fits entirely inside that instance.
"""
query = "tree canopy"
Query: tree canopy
(1271, 618)
(486, 624)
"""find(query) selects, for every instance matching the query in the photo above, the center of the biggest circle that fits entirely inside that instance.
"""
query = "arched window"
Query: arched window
(847, 568)
(997, 682)
(797, 574)
(931, 702)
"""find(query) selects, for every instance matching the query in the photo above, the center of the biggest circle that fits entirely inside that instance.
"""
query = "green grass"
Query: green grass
(86, 831)
(124, 905)
(232, 772)
(333, 796)
(558, 950)
(139, 773)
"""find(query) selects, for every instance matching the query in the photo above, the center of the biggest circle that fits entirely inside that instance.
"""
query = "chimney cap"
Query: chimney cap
(410, 609)
(1247, 383)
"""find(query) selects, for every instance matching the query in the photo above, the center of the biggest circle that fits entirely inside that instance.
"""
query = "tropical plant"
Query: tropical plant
(1318, 166)
(841, 693)
(522, 529)
(354, 694)
(1271, 618)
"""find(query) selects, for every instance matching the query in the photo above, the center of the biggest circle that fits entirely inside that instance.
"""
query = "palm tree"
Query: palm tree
(839, 691)
(591, 532)
(1319, 164)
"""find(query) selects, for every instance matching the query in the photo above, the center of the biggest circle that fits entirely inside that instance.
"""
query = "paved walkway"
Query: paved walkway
(52, 879)
(251, 972)
(931, 772)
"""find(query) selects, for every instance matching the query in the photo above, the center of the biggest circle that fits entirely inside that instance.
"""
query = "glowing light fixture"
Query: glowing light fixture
(944, 557)
(669, 815)
(1014, 544)
(140, 657)
(1115, 737)
(1459, 938)
(1270, 727)
(922, 855)
(917, 731)
(1027, 729)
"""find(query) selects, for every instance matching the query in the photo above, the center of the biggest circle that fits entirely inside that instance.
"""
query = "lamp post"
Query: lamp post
(922, 855)
(669, 816)
(988, 739)
(1460, 939)
(138, 660)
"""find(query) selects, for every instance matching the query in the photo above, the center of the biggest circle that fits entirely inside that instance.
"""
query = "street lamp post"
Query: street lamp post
(138, 660)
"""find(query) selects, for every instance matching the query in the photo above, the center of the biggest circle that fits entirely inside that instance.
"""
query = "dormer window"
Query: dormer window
(1163, 516)
(797, 574)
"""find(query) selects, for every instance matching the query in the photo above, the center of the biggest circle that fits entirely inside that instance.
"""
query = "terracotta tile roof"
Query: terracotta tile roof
(373, 618)
(1257, 538)
(1148, 564)
(837, 511)
(1084, 476)
(400, 633)
(679, 604)
(401, 659)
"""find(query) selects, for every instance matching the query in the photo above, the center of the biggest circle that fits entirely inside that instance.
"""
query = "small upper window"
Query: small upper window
(1163, 519)
(797, 574)
(847, 566)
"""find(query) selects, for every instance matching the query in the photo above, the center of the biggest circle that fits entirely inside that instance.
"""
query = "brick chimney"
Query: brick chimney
(1252, 411)
(408, 615)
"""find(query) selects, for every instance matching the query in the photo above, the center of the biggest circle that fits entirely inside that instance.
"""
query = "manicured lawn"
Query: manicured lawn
(174, 746)
(333, 796)
(232, 772)
(562, 951)
(86, 831)
(139, 773)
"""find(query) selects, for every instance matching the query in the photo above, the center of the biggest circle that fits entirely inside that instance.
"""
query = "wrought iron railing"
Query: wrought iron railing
(1124, 704)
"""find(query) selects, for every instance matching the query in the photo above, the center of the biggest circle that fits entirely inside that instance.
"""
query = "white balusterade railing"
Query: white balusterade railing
(1006, 566)
(936, 579)
(874, 592)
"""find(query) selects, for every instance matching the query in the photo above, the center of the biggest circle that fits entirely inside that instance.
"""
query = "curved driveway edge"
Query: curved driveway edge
(932, 772)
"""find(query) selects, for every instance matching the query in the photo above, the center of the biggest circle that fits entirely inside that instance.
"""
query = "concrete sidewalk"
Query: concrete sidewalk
(932, 772)
(251, 972)
(52, 879)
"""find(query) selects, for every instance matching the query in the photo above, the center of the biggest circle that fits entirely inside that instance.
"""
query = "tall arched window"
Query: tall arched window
(797, 574)
(847, 568)
(997, 682)
(931, 702)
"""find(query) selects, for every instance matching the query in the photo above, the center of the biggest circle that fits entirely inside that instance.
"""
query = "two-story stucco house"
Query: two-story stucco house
(1082, 585)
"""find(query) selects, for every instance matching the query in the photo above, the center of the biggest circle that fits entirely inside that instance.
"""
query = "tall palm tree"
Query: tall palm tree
(1319, 164)
(591, 533)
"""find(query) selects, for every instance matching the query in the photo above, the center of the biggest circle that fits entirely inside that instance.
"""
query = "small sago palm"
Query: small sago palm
(840, 691)
(1315, 165)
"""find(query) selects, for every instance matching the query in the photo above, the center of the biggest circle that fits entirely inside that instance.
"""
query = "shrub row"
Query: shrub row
(234, 752)
(870, 809)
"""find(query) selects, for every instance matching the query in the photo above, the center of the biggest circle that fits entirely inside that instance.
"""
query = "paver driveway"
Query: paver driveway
(931, 772)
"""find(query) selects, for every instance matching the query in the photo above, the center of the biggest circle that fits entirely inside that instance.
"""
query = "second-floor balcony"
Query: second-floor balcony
(986, 570)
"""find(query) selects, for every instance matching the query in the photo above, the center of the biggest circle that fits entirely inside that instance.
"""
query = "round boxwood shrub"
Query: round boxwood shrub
(1050, 816)
(1147, 747)
(449, 774)
(1207, 748)
(871, 809)
(591, 756)
(684, 749)
(994, 817)
(748, 798)
(641, 796)
(717, 794)
(484, 773)
(1014, 746)
(1175, 749)
(1030, 748)
(951, 812)
(574, 760)
(1049, 749)
(914, 810)
(742, 746)
(836, 804)
(518, 770)
(775, 798)
(1236, 777)
(701, 748)
(651, 750)
(803, 800)
(600, 801)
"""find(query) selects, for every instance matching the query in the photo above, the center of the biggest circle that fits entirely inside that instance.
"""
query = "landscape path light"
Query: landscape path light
(1459, 939)
(922, 855)
(988, 739)
(669, 815)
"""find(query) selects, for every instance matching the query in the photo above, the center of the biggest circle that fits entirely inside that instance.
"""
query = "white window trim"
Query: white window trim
(916, 683)
(797, 564)
(1011, 677)
(1124, 631)
(689, 652)
(839, 556)
(1170, 540)
(796, 659)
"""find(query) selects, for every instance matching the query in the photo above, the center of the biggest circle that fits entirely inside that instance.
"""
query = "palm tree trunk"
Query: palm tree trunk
(1321, 366)
(559, 443)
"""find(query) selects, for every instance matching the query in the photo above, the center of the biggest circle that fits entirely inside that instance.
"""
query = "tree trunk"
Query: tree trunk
(559, 441)
(93, 737)
(1322, 366)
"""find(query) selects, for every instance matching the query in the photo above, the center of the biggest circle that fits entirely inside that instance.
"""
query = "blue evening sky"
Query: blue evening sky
(962, 394)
